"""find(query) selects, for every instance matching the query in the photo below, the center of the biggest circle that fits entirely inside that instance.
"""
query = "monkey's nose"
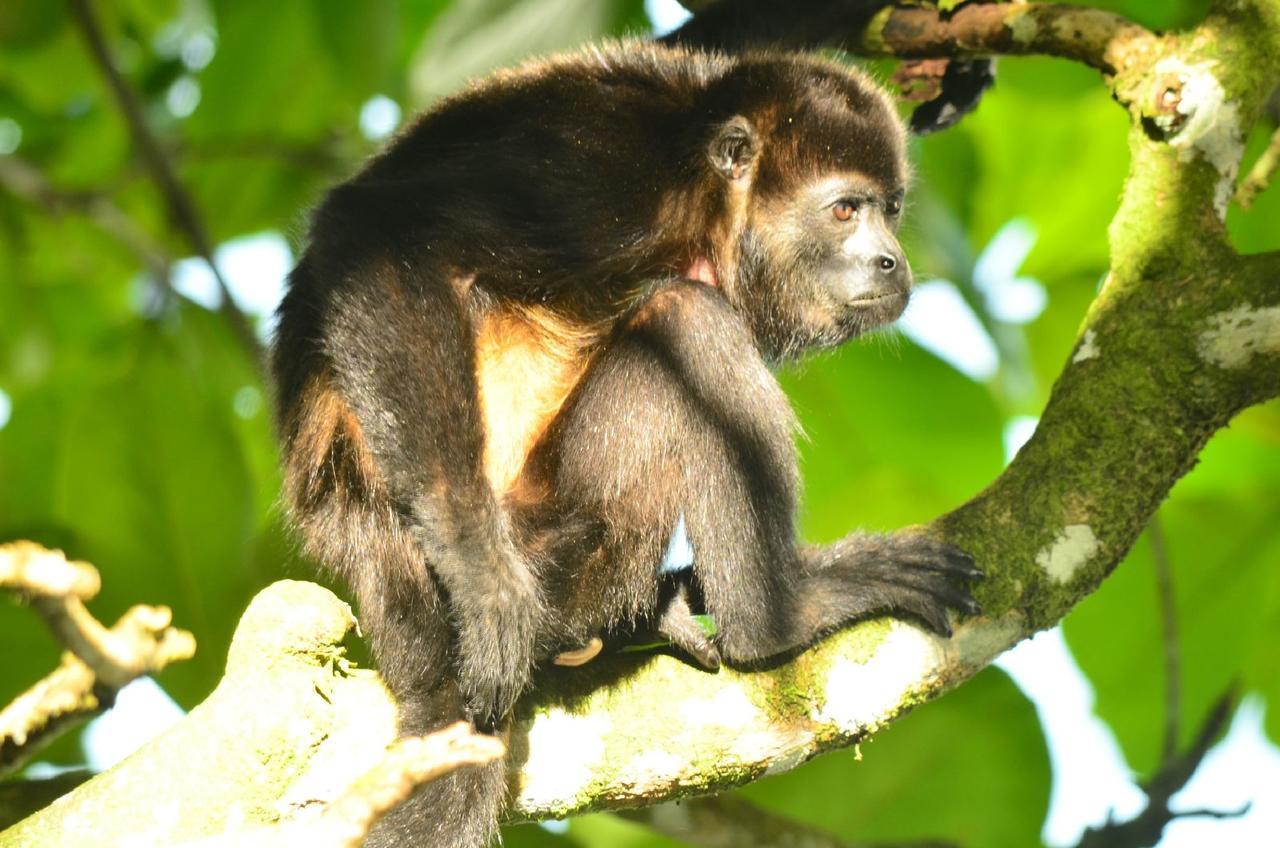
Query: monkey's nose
(889, 270)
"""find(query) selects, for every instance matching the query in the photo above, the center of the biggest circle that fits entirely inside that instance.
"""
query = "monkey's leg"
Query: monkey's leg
(401, 346)
(697, 425)
(407, 621)
(676, 415)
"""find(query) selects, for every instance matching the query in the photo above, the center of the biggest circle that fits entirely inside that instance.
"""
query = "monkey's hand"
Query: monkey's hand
(904, 575)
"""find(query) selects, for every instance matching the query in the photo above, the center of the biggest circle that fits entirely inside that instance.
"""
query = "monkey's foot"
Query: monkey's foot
(904, 575)
(697, 645)
(681, 627)
(496, 659)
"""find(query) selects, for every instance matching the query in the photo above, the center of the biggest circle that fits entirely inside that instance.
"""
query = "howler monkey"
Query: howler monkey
(532, 337)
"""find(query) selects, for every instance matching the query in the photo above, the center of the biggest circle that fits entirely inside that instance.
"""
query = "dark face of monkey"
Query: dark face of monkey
(819, 259)
(831, 265)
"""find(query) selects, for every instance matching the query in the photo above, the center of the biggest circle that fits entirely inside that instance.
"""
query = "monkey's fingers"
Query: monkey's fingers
(945, 560)
(928, 611)
(937, 583)
(912, 550)
(960, 89)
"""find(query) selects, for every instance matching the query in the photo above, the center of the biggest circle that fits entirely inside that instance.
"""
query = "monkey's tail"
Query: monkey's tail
(458, 810)
(406, 616)
(404, 613)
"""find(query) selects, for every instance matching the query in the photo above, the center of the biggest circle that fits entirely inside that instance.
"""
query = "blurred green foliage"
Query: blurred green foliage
(135, 429)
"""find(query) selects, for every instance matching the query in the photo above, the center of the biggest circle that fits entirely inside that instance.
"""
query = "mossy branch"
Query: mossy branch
(1099, 39)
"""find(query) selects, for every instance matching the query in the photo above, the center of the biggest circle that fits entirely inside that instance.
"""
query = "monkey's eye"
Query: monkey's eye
(843, 210)
(894, 206)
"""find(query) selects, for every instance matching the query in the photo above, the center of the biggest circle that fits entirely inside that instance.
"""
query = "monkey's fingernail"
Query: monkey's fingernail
(939, 624)
(580, 656)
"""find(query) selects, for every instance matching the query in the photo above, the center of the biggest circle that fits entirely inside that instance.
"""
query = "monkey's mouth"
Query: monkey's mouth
(864, 314)
(885, 307)
(881, 299)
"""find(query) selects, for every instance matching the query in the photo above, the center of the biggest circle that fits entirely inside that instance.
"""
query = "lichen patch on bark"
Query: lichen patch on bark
(859, 695)
(1068, 552)
(1237, 335)
(1088, 348)
(1211, 127)
(1023, 27)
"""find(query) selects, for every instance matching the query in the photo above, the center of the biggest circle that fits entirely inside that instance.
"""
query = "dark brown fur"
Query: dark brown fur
(499, 394)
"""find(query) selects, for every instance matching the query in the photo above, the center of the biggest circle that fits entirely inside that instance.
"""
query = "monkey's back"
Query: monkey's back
(533, 174)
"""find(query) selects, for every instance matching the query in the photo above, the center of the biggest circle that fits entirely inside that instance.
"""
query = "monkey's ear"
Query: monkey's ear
(733, 148)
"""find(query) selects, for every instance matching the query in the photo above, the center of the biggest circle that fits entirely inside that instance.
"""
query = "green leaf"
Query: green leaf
(474, 37)
(1051, 149)
(360, 39)
(877, 453)
(26, 23)
(532, 836)
(600, 830)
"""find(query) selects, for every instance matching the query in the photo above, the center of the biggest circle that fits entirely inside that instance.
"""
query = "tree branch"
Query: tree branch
(1148, 826)
(99, 661)
(1099, 39)
(182, 209)
(1260, 175)
(24, 180)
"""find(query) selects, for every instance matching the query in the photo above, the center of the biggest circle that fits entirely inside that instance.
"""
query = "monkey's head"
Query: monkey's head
(813, 166)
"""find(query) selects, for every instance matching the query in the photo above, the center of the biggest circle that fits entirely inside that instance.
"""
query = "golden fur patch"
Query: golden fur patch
(327, 445)
(528, 361)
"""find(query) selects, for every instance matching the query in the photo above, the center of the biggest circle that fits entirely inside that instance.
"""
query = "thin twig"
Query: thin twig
(34, 571)
(1169, 630)
(325, 156)
(1147, 827)
(99, 661)
(182, 209)
(724, 821)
